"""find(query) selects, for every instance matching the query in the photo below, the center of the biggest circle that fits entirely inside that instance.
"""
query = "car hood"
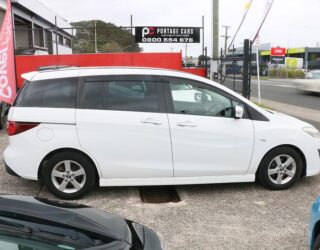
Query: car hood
(81, 217)
(285, 119)
(73, 215)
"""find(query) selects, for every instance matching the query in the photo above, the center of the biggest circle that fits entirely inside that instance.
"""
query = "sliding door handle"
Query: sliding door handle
(186, 124)
(151, 121)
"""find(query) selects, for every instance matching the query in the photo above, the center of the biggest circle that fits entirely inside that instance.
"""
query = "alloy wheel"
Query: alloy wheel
(68, 176)
(282, 169)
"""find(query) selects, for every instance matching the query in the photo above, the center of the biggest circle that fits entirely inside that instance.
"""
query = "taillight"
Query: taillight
(14, 128)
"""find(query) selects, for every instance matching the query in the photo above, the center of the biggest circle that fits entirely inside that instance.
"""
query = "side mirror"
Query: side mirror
(238, 111)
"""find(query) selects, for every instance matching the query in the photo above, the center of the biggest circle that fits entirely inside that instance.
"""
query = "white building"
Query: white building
(35, 28)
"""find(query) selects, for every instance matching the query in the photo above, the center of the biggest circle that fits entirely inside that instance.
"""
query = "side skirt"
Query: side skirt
(176, 180)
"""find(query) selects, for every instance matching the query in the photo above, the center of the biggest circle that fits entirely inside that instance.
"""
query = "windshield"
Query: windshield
(18, 242)
(17, 234)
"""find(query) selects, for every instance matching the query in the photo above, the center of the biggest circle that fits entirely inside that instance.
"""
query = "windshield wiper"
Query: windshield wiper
(48, 234)
(14, 226)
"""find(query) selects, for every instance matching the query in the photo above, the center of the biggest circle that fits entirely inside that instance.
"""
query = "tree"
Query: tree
(110, 38)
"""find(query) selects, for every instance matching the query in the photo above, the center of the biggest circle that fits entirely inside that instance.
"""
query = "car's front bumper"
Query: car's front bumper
(312, 156)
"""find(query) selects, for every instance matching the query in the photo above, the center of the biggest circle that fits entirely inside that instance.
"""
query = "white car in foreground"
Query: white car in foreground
(74, 128)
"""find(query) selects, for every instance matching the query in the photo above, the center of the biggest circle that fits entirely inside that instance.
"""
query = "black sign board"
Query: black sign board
(278, 60)
(167, 34)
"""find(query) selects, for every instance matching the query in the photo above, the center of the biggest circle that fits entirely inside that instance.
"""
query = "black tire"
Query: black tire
(269, 162)
(316, 245)
(76, 161)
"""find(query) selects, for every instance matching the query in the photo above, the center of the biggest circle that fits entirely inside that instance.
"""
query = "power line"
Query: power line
(243, 18)
(264, 19)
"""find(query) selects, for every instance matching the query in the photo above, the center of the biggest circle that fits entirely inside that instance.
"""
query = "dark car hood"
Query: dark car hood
(81, 217)
(73, 215)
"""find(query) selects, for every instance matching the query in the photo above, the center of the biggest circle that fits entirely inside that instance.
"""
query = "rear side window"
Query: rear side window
(53, 93)
(131, 96)
(135, 95)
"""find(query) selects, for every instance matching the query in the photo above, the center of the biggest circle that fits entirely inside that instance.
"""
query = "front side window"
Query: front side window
(131, 96)
(53, 93)
(193, 99)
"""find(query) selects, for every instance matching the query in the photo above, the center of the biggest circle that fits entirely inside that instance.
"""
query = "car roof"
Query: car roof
(100, 71)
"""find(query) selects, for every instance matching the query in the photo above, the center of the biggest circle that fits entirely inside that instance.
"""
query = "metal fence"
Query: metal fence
(235, 70)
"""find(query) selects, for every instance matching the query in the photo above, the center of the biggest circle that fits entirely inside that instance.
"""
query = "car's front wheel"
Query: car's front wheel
(68, 175)
(280, 168)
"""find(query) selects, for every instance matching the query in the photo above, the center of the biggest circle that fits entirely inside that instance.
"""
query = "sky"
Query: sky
(291, 23)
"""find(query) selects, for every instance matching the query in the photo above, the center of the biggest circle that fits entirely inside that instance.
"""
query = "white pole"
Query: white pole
(258, 74)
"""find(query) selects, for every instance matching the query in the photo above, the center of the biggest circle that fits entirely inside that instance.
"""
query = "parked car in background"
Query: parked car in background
(79, 127)
(37, 223)
(311, 84)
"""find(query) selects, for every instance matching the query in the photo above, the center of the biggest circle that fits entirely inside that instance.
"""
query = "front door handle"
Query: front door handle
(186, 124)
(151, 121)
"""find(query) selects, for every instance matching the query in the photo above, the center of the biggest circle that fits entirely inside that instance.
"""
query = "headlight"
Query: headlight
(312, 131)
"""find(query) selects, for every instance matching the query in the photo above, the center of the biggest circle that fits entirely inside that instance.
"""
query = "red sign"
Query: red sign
(7, 67)
(278, 51)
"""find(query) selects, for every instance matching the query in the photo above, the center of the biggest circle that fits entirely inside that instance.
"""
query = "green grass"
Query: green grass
(263, 106)
(262, 78)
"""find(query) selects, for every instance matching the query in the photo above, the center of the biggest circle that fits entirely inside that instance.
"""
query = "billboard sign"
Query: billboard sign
(152, 34)
(277, 60)
(294, 63)
(296, 51)
(278, 51)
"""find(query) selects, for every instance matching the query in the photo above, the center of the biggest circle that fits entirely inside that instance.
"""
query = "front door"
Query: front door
(206, 138)
(121, 122)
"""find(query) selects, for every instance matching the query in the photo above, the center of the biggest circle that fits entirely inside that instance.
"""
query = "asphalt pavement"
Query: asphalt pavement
(285, 92)
(283, 96)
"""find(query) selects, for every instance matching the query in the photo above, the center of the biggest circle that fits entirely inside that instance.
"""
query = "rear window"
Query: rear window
(53, 93)
(135, 95)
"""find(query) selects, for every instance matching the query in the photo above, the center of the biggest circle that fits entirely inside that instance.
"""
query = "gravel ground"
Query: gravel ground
(232, 216)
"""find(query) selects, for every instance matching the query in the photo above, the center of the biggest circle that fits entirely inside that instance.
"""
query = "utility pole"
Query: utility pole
(186, 55)
(226, 37)
(214, 39)
(215, 28)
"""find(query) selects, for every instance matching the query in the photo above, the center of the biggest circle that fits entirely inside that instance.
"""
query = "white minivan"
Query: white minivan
(78, 127)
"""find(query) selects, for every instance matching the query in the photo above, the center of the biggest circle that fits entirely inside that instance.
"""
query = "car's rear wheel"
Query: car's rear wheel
(69, 175)
(280, 168)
